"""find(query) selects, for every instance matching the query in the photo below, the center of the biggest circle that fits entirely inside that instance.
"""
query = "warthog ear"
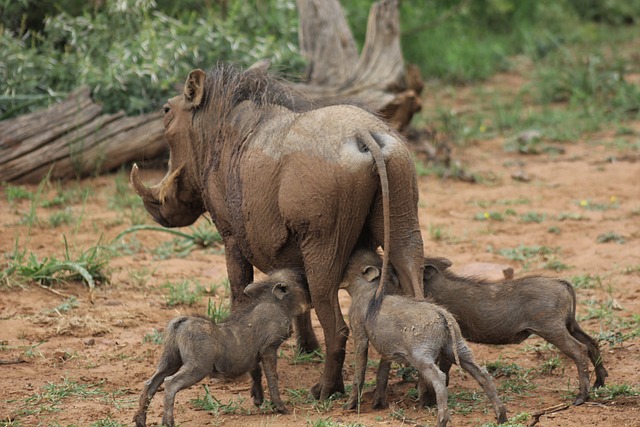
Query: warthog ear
(194, 89)
(280, 290)
(370, 273)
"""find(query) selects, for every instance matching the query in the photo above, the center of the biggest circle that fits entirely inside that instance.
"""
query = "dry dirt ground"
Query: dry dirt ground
(83, 362)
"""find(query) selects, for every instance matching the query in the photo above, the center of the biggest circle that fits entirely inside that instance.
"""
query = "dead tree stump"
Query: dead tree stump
(377, 78)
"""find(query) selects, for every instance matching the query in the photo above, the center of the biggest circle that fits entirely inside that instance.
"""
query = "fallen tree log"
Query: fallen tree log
(72, 139)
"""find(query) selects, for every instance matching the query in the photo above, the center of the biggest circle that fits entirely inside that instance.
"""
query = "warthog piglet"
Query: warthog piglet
(509, 311)
(406, 331)
(196, 347)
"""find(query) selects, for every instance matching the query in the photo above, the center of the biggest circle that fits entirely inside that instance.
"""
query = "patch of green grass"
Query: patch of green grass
(209, 403)
(520, 385)
(526, 254)
(314, 357)
(89, 267)
(516, 378)
(156, 337)
(586, 281)
(15, 193)
(218, 312)
(611, 237)
(555, 265)
(299, 396)
(140, 277)
(613, 391)
(185, 292)
(550, 365)
(59, 218)
(398, 414)
(67, 196)
(203, 235)
(589, 205)
(621, 330)
(533, 217)
(465, 402)
(438, 233)
(67, 305)
(52, 396)
(528, 145)
(517, 420)
(108, 422)
(489, 216)
(602, 310)
(503, 202)
(328, 422)
(501, 369)
(554, 230)
(593, 83)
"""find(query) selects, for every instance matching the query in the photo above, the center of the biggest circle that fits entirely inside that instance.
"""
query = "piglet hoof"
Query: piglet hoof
(140, 420)
(579, 401)
(502, 418)
(379, 403)
(281, 409)
(257, 396)
(315, 391)
(598, 383)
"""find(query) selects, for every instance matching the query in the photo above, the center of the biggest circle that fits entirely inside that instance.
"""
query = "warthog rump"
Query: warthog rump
(509, 311)
(288, 185)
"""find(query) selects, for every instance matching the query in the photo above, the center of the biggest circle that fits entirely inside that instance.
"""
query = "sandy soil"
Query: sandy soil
(84, 363)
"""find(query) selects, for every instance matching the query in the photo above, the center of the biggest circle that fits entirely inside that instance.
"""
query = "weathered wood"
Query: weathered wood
(77, 142)
(326, 42)
(378, 78)
(124, 140)
(16, 131)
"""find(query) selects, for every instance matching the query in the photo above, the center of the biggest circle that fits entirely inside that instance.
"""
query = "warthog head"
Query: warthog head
(194, 121)
(176, 201)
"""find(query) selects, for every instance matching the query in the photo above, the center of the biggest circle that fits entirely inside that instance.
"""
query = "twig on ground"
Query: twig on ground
(535, 417)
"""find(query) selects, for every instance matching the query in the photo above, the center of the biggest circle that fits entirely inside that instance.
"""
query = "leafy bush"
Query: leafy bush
(132, 55)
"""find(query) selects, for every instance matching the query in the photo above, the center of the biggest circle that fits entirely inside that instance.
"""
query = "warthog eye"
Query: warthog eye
(166, 108)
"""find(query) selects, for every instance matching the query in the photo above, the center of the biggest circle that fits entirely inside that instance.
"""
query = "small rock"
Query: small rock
(89, 342)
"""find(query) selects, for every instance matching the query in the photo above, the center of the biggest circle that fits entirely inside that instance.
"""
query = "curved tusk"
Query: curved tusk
(143, 191)
(167, 184)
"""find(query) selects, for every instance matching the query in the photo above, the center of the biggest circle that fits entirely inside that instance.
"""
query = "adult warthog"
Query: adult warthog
(288, 185)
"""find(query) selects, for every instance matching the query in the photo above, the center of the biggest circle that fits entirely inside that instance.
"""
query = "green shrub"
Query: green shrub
(132, 55)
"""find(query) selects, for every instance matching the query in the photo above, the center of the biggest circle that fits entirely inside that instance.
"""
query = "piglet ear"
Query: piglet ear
(193, 90)
(429, 271)
(370, 273)
(435, 265)
(280, 290)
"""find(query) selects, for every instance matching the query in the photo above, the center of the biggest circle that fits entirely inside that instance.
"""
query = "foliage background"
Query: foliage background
(132, 53)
